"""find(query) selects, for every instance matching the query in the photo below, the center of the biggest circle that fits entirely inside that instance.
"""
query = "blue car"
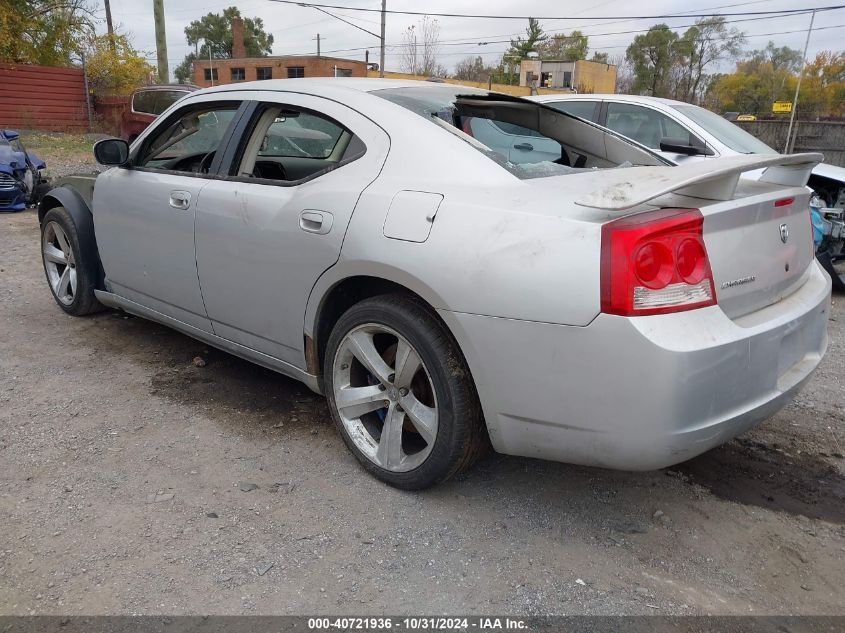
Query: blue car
(21, 180)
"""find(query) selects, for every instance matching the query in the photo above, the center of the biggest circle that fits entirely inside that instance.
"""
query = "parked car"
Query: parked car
(146, 103)
(21, 178)
(348, 233)
(683, 132)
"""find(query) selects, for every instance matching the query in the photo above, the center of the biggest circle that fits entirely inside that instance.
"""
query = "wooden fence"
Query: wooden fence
(42, 98)
(827, 137)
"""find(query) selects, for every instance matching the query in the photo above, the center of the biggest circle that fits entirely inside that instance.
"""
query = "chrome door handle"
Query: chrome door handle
(319, 222)
(180, 199)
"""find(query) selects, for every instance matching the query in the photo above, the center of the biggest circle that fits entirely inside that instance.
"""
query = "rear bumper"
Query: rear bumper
(641, 393)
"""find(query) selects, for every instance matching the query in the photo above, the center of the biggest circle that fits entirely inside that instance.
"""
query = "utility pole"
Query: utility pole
(381, 55)
(798, 86)
(161, 41)
(318, 43)
(109, 24)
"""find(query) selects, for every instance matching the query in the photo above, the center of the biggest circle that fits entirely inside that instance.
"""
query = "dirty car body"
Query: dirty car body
(626, 317)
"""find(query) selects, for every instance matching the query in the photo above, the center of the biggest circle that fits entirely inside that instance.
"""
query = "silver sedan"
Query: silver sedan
(598, 306)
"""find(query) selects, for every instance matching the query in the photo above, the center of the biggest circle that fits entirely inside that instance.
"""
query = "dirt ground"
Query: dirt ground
(134, 482)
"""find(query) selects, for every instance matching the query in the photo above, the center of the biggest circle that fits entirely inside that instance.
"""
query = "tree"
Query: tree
(45, 32)
(707, 42)
(624, 74)
(568, 48)
(420, 47)
(652, 56)
(473, 69)
(114, 66)
(521, 46)
(211, 36)
(599, 58)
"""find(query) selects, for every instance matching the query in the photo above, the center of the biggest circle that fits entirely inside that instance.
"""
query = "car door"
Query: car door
(296, 169)
(649, 126)
(144, 213)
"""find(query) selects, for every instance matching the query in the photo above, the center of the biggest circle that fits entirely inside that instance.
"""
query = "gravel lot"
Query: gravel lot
(134, 481)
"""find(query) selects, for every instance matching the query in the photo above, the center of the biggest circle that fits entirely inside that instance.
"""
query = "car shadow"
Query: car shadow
(743, 471)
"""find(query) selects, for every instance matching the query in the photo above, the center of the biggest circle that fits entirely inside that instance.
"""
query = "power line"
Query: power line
(525, 17)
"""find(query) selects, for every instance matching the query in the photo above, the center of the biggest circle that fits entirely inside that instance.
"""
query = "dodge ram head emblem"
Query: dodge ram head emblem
(784, 233)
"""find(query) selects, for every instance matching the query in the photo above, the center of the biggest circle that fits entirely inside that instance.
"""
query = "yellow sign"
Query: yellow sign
(782, 107)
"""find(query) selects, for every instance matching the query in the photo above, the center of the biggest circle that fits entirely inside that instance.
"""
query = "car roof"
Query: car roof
(188, 87)
(610, 96)
(311, 84)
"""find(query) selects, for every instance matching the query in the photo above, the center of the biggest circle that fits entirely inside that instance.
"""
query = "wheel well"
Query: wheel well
(47, 202)
(342, 297)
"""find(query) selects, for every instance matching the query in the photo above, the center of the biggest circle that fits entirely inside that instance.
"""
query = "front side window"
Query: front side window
(296, 72)
(210, 73)
(291, 144)
(238, 74)
(263, 72)
(189, 142)
(644, 125)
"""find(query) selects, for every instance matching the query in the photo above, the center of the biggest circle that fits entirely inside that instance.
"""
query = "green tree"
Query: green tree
(45, 32)
(211, 36)
(652, 56)
(568, 48)
(521, 46)
(600, 58)
(707, 42)
(114, 66)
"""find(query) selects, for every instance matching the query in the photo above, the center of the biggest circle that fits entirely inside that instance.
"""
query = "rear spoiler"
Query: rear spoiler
(711, 178)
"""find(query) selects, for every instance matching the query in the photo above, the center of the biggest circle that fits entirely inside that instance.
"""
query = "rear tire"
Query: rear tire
(71, 274)
(409, 411)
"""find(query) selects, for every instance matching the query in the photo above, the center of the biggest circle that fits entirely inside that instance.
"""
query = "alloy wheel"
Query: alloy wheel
(59, 263)
(385, 397)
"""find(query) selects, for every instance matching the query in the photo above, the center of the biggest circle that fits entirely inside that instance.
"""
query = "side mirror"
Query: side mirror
(11, 135)
(111, 151)
(681, 146)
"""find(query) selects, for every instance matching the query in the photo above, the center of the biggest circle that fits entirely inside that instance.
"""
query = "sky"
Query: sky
(295, 28)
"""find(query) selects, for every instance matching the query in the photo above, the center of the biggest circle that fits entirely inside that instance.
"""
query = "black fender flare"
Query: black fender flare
(82, 217)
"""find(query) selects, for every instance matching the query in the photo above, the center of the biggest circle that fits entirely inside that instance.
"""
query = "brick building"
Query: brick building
(242, 68)
(226, 71)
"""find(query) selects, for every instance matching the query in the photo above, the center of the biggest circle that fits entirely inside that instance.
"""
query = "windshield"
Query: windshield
(731, 135)
(523, 151)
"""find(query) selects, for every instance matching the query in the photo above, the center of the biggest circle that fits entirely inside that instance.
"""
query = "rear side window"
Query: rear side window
(584, 109)
(303, 135)
(144, 102)
(166, 98)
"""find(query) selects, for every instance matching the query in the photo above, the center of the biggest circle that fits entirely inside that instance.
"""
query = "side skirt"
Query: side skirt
(114, 301)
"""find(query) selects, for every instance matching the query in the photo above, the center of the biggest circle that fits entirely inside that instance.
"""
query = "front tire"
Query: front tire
(68, 269)
(401, 394)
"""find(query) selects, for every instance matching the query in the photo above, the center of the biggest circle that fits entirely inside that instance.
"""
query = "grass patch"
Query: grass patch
(59, 147)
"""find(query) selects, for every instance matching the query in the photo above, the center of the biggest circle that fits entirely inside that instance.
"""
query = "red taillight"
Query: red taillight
(654, 263)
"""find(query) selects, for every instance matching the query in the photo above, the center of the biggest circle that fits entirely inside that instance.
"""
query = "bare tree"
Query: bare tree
(420, 47)
(624, 73)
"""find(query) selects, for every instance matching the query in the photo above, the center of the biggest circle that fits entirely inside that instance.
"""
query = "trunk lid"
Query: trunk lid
(757, 233)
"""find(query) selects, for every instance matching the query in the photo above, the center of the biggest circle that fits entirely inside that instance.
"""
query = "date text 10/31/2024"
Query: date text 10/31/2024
(417, 624)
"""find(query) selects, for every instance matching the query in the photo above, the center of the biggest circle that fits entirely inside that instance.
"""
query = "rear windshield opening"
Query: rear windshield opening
(524, 137)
